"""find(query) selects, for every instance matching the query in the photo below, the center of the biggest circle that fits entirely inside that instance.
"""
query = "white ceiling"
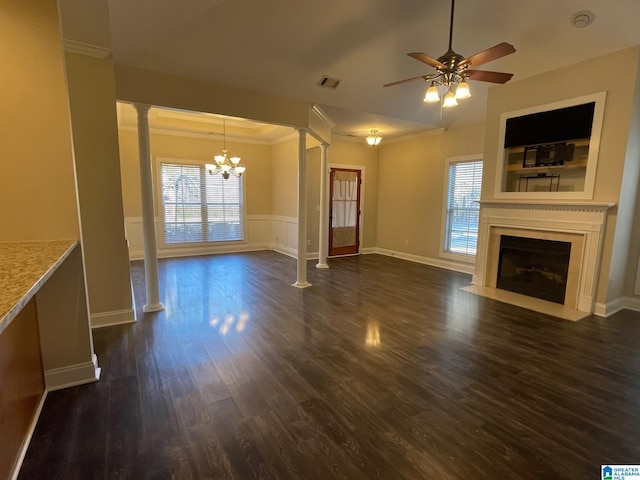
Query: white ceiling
(283, 47)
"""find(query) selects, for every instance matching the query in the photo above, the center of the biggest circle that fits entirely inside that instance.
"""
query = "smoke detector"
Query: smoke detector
(582, 19)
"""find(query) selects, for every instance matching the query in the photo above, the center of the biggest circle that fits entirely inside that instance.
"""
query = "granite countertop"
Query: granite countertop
(24, 268)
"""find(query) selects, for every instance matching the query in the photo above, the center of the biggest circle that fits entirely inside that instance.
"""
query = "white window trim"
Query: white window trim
(458, 257)
(158, 161)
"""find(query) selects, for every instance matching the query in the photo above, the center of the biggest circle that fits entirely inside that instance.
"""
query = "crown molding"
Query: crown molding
(176, 132)
(346, 138)
(386, 140)
(322, 116)
(87, 49)
(411, 136)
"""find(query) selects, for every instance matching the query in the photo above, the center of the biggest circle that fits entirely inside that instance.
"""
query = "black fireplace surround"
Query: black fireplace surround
(534, 267)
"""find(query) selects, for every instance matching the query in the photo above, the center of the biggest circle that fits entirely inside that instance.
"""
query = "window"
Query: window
(200, 207)
(464, 183)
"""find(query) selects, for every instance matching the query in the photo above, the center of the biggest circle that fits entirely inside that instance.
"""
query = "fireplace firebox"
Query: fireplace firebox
(534, 267)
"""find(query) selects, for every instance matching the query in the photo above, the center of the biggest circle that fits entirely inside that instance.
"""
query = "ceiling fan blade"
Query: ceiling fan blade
(484, 76)
(424, 58)
(423, 77)
(497, 51)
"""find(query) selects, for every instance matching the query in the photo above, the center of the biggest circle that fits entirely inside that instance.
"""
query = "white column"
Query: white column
(324, 208)
(301, 282)
(148, 215)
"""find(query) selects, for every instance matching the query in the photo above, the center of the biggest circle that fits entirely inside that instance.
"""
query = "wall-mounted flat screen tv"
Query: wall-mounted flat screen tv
(551, 126)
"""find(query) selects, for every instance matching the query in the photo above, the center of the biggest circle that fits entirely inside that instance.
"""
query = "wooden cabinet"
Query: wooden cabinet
(21, 385)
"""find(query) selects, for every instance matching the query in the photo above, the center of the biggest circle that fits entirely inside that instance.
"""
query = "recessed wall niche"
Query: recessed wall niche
(550, 151)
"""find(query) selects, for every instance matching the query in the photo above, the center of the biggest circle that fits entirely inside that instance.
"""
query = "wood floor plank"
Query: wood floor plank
(382, 369)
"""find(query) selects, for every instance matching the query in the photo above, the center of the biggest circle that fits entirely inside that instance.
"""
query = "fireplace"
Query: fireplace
(573, 230)
(534, 267)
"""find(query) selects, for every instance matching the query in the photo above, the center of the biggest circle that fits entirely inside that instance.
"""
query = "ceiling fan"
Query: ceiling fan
(452, 69)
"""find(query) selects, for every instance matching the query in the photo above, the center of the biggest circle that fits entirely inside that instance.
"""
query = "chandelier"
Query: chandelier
(373, 139)
(225, 164)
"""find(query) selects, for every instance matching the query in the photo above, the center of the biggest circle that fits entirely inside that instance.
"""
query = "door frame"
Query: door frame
(362, 197)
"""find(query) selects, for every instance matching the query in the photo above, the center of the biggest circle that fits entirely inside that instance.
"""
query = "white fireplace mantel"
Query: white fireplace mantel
(547, 205)
(582, 223)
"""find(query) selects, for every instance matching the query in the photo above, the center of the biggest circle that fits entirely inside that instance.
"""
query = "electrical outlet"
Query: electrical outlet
(406, 242)
(308, 243)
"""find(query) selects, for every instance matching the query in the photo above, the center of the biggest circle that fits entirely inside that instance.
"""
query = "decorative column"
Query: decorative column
(301, 282)
(324, 207)
(148, 215)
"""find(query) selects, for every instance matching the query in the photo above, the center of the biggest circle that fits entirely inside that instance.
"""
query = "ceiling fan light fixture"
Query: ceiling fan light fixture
(452, 70)
(449, 99)
(432, 95)
(462, 91)
(373, 139)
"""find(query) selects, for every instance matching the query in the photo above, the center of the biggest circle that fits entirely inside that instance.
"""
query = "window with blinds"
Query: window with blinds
(200, 207)
(463, 210)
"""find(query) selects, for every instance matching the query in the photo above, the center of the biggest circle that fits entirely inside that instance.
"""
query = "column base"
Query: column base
(153, 307)
(301, 284)
(322, 265)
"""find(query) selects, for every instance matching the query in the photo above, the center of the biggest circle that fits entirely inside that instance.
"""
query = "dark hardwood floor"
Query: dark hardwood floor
(383, 369)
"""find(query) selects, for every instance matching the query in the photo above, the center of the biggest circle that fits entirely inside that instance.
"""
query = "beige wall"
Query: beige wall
(271, 177)
(130, 173)
(313, 199)
(284, 182)
(411, 188)
(95, 138)
(37, 186)
(569, 82)
(626, 247)
(136, 85)
(359, 154)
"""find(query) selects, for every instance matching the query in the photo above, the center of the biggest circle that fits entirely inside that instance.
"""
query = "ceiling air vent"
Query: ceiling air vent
(328, 82)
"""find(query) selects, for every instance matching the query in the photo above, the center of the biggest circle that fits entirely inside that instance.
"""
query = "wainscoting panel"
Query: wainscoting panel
(258, 237)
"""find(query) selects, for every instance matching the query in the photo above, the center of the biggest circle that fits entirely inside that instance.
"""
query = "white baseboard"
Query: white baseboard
(434, 262)
(632, 303)
(72, 375)
(368, 250)
(614, 306)
(288, 251)
(118, 317)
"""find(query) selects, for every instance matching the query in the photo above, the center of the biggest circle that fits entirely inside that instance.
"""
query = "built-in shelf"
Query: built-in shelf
(554, 175)
(561, 167)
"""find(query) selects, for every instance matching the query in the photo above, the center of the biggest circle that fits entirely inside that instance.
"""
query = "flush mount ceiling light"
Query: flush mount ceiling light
(453, 71)
(373, 139)
(224, 164)
(582, 19)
